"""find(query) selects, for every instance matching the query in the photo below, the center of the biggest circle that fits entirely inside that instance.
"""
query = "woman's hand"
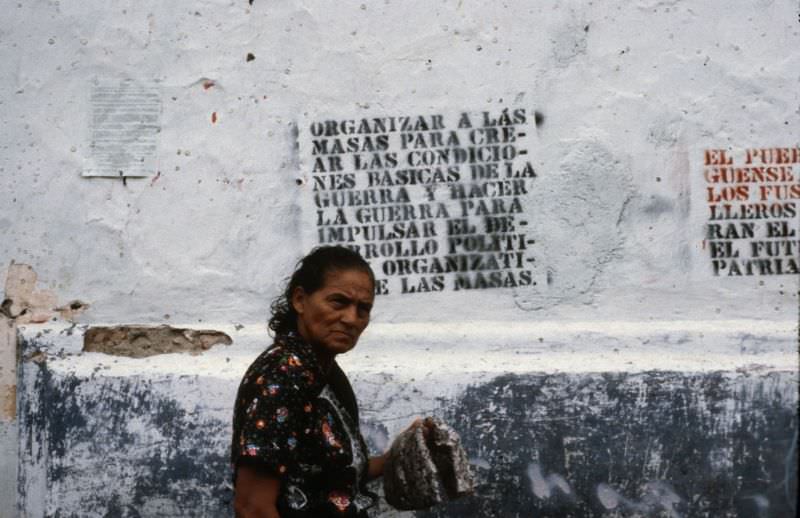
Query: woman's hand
(375, 468)
(256, 494)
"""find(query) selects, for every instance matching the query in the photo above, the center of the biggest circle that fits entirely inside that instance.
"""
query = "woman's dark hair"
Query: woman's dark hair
(309, 274)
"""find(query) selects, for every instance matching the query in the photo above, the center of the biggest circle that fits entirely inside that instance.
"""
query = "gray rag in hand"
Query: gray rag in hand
(420, 472)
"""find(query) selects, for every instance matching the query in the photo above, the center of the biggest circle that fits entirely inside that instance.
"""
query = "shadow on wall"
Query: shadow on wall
(619, 445)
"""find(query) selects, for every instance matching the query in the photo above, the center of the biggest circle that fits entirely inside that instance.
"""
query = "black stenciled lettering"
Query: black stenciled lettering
(460, 191)
(413, 176)
(334, 181)
(482, 281)
(781, 228)
(381, 185)
(379, 232)
(422, 284)
(490, 207)
(426, 140)
(460, 155)
(327, 164)
(505, 117)
(749, 267)
(730, 230)
(366, 126)
(780, 248)
(727, 211)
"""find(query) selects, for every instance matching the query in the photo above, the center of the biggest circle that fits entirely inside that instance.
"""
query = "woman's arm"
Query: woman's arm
(256, 494)
(375, 467)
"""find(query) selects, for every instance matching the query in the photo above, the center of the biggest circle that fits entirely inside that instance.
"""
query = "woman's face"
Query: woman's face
(333, 317)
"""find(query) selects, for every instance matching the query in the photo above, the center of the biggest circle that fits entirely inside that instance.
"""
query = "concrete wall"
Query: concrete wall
(616, 333)
(8, 410)
(668, 436)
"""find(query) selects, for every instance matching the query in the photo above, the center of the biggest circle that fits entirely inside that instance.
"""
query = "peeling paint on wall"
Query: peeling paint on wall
(8, 411)
(143, 341)
(657, 444)
(8, 400)
(24, 303)
(8, 369)
(27, 304)
(560, 445)
(134, 444)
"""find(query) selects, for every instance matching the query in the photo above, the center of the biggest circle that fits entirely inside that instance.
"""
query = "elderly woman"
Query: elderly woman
(297, 449)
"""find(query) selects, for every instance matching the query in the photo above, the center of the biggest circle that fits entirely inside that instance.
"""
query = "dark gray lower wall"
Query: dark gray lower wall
(547, 445)
(650, 444)
(115, 447)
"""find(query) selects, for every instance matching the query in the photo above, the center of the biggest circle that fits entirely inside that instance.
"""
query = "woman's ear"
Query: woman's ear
(299, 300)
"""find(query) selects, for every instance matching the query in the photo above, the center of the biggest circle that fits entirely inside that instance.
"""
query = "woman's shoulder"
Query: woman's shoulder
(286, 361)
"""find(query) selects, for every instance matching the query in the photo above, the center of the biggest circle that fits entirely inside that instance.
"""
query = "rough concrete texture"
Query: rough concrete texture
(143, 341)
(641, 444)
(571, 396)
(8, 414)
(9, 452)
(8, 369)
(627, 96)
(24, 303)
(100, 434)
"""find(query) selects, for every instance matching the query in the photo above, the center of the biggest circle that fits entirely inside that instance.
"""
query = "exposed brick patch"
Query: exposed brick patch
(143, 341)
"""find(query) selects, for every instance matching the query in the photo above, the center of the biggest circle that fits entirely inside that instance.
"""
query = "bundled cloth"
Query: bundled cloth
(425, 466)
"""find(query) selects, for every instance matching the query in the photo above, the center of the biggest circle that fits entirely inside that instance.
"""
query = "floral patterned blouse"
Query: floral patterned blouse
(295, 422)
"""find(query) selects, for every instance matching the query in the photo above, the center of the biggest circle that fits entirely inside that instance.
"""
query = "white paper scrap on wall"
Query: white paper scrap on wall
(124, 128)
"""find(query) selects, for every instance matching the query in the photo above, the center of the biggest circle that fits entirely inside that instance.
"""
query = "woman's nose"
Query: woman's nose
(350, 314)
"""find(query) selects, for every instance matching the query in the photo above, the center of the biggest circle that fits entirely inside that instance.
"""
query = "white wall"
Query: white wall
(631, 94)
(633, 100)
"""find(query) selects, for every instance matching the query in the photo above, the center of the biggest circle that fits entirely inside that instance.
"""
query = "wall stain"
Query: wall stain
(538, 118)
(23, 302)
(609, 445)
(166, 459)
(658, 205)
(613, 444)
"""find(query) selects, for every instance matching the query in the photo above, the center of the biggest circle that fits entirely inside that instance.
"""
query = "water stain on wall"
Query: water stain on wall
(669, 444)
(647, 444)
(166, 458)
